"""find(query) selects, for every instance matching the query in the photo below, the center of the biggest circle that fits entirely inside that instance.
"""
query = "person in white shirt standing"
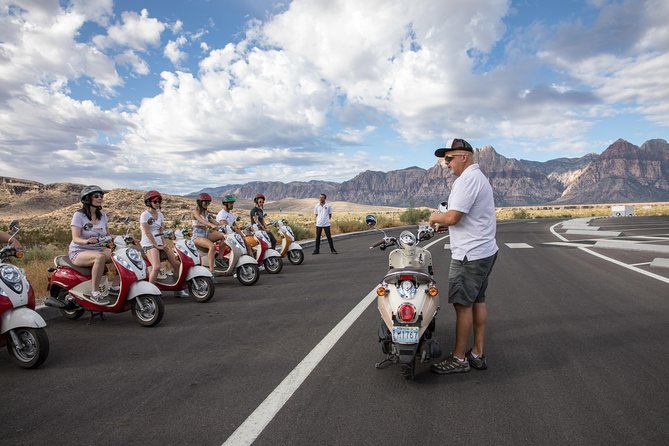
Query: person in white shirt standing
(472, 226)
(323, 213)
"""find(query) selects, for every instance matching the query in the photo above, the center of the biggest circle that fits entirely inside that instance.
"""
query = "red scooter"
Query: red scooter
(21, 327)
(260, 243)
(70, 286)
(191, 274)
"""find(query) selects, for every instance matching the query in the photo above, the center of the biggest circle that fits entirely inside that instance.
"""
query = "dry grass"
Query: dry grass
(577, 211)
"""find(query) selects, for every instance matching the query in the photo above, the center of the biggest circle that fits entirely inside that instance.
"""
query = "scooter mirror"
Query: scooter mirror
(151, 221)
(370, 220)
(239, 219)
(13, 225)
(88, 226)
(443, 207)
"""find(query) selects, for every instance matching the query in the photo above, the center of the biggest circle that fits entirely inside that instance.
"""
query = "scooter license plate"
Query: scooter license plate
(405, 335)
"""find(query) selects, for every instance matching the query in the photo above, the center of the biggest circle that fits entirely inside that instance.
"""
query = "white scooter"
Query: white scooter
(235, 261)
(408, 301)
(289, 247)
(264, 254)
(21, 327)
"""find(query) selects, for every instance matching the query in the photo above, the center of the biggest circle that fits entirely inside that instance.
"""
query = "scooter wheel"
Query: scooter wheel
(248, 274)
(273, 265)
(296, 256)
(148, 310)
(72, 314)
(201, 289)
(35, 347)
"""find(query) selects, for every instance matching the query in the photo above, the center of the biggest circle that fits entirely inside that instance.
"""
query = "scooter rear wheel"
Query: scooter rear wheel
(201, 289)
(152, 312)
(35, 347)
(296, 256)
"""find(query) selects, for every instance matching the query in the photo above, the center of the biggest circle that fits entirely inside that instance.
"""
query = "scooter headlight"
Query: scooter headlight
(136, 258)
(11, 276)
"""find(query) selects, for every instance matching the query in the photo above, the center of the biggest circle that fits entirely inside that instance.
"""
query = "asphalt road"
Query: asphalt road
(577, 352)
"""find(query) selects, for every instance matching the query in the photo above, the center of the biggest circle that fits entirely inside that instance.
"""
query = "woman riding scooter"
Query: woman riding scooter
(227, 217)
(202, 236)
(153, 244)
(88, 225)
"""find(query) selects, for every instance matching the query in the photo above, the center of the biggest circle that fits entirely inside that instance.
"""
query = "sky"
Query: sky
(182, 95)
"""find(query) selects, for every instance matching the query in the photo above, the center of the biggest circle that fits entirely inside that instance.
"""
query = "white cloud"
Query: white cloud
(136, 31)
(173, 51)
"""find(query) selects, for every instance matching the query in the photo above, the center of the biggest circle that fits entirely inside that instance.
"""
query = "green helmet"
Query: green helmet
(228, 199)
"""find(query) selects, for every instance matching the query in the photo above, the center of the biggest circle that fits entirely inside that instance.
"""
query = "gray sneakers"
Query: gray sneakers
(450, 365)
(478, 363)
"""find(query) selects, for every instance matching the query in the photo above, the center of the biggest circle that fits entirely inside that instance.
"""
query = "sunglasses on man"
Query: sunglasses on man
(449, 158)
(97, 196)
(157, 200)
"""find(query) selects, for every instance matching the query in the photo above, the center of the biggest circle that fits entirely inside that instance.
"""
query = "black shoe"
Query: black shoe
(334, 252)
(477, 363)
(315, 252)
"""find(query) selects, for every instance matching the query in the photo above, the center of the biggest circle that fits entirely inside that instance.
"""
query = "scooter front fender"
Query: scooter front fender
(293, 246)
(245, 260)
(271, 253)
(142, 287)
(21, 317)
(197, 271)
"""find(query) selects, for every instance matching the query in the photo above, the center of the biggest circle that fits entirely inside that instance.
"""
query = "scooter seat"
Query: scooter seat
(422, 275)
(67, 263)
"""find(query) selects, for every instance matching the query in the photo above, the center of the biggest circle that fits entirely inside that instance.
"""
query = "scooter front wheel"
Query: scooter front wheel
(248, 274)
(34, 347)
(148, 310)
(273, 265)
(296, 256)
(201, 289)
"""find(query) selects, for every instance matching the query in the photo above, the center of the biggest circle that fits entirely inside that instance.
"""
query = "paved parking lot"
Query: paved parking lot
(637, 242)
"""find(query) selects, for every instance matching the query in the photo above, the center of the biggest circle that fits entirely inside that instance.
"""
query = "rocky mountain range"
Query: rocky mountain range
(622, 173)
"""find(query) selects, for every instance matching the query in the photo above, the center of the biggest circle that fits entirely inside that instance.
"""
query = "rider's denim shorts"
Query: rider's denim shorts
(468, 280)
(199, 232)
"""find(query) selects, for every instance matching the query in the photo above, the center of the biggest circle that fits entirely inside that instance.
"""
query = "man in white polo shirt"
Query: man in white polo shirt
(323, 213)
(472, 226)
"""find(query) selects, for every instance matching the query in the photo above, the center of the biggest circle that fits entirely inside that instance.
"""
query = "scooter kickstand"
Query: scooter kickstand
(390, 359)
(97, 314)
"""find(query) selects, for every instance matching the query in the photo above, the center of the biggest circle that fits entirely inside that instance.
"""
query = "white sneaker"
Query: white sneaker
(99, 298)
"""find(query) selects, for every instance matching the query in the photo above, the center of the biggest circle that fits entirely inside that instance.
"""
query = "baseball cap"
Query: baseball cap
(455, 144)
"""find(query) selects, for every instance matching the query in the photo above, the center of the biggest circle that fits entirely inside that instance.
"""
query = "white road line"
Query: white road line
(609, 259)
(249, 430)
(518, 245)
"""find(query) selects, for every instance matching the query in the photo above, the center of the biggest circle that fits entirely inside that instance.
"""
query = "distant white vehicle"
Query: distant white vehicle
(622, 211)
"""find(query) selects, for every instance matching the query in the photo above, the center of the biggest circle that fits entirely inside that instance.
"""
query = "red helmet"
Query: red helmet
(259, 196)
(203, 197)
(152, 195)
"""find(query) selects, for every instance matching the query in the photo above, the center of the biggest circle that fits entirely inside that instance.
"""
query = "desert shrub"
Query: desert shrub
(301, 232)
(520, 214)
(413, 216)
(349, 225)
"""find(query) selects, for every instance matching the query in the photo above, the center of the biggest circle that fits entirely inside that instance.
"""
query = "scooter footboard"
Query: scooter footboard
(142, 287)
(21, 317)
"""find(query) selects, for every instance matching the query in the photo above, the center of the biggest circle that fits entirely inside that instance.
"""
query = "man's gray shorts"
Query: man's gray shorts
(468, 280)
